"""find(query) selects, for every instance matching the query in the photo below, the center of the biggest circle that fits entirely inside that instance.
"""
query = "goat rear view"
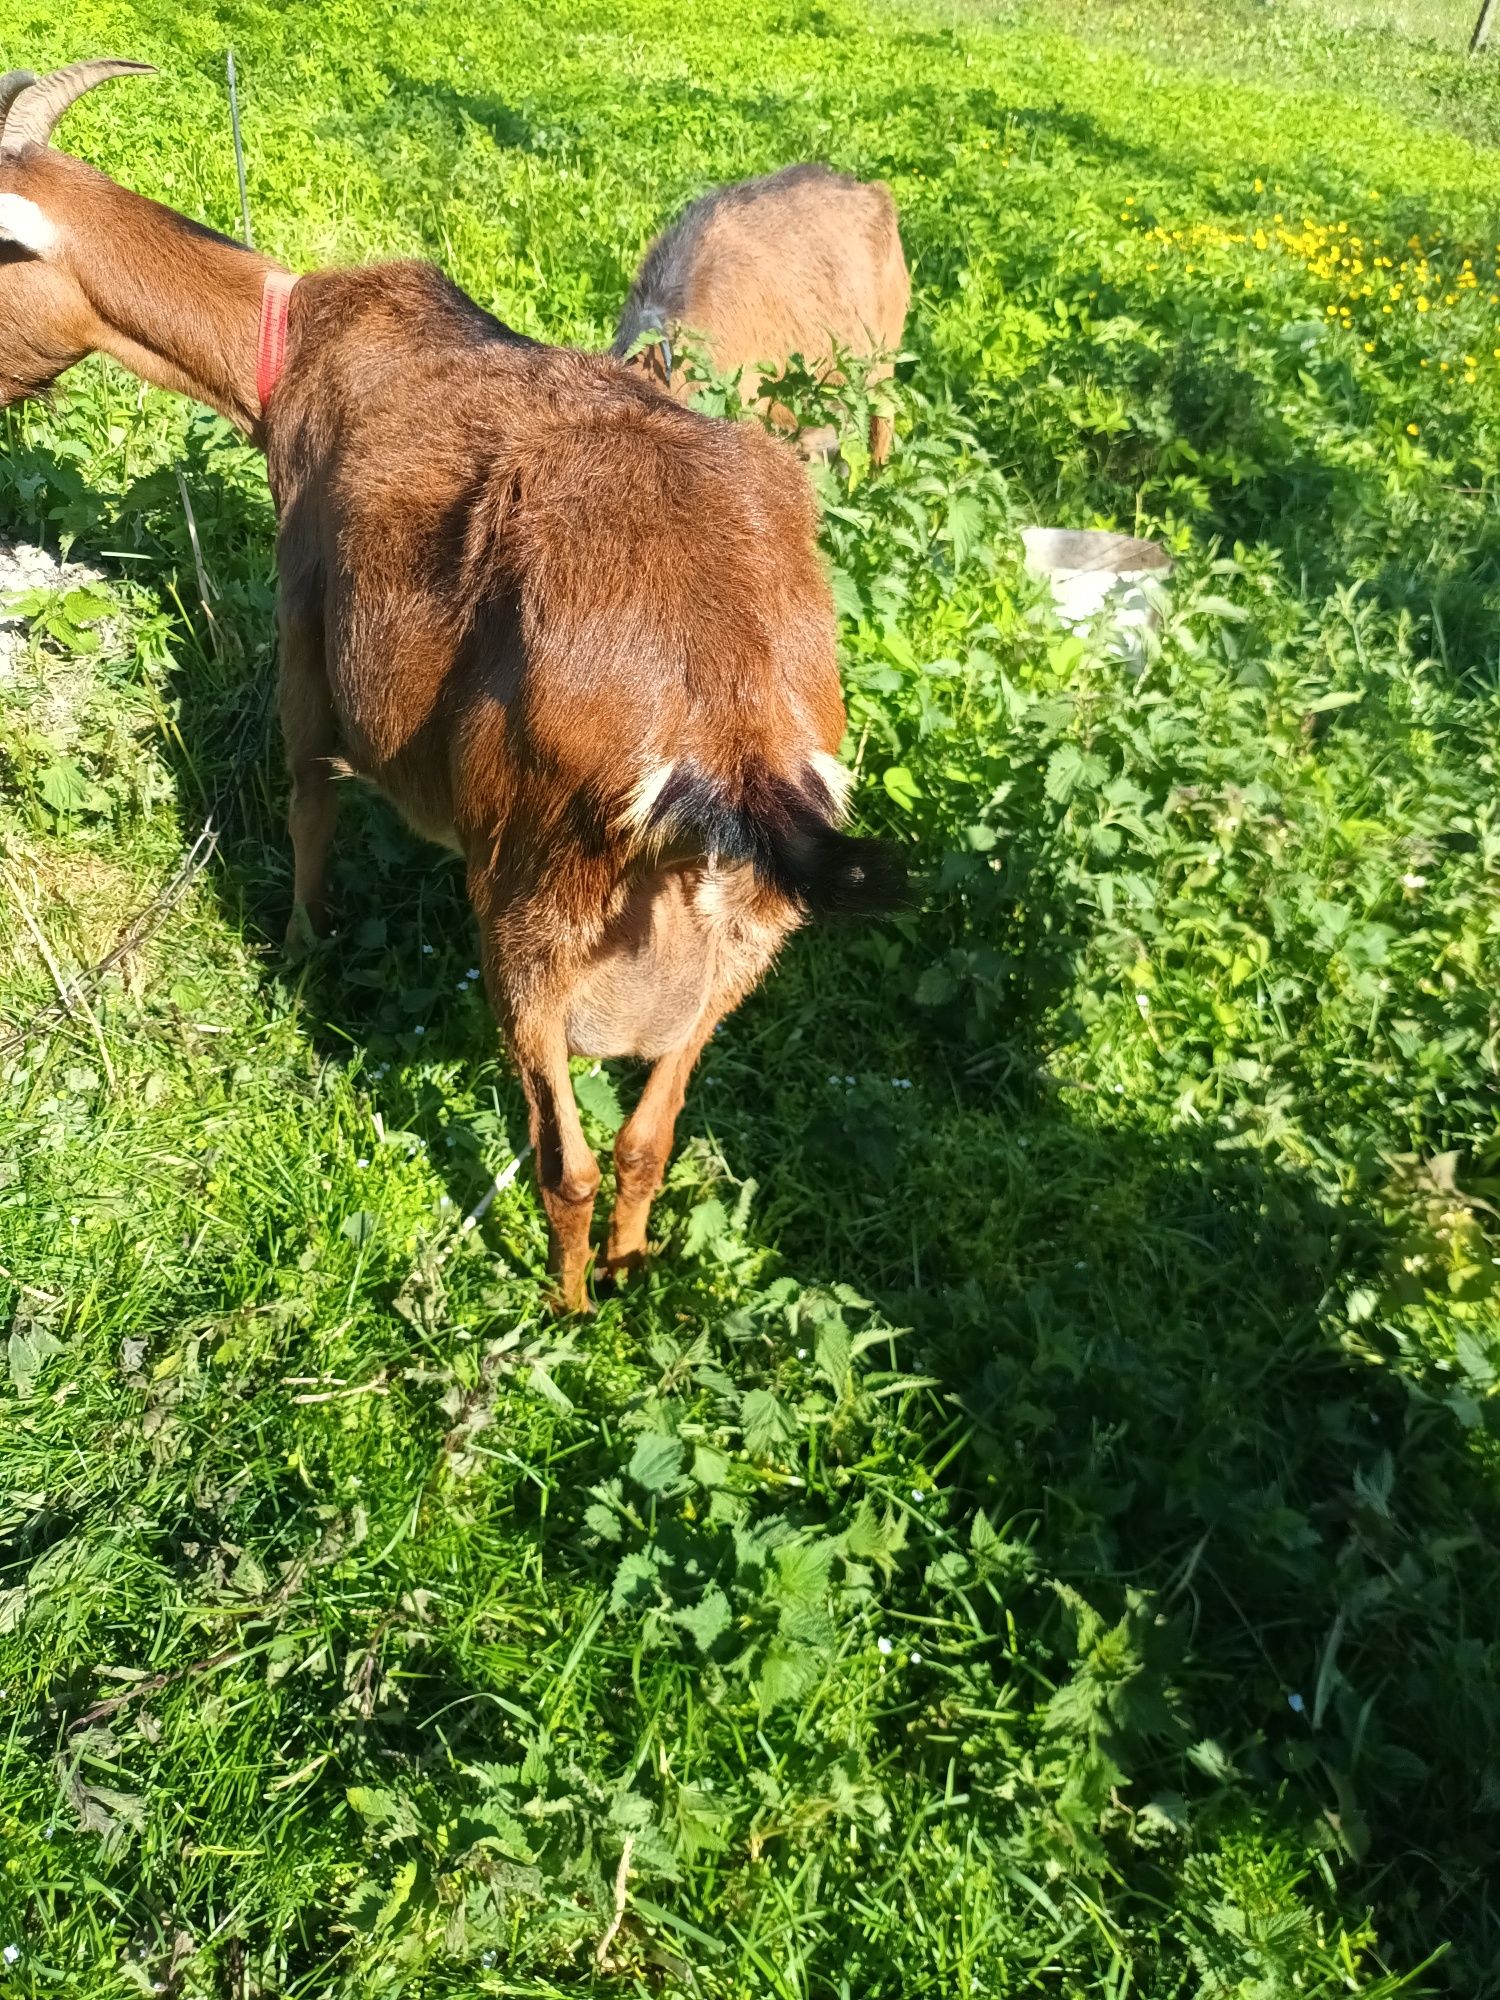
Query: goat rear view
(569, 628)
(806, 261)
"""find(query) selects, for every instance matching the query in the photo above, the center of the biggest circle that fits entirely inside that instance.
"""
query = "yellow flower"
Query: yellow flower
(1424, 305)
(1260, 187)
(1369, 347)
(1412, 431)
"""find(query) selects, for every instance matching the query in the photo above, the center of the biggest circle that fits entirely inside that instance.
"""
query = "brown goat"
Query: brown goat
(801, 262)
(577, 633)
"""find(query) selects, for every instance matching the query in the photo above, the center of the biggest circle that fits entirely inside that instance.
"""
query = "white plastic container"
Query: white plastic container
(1094, 573)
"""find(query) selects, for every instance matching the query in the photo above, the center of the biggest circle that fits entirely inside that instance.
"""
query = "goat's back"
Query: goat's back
(545, 579)
(798, 262)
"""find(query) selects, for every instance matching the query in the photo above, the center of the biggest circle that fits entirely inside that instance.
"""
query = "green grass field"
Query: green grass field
(1035, 1529)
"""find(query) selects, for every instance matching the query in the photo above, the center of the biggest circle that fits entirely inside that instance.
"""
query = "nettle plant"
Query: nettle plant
(755, 1522)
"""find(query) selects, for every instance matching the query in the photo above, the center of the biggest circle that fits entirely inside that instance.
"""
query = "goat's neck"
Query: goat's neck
(175, 304)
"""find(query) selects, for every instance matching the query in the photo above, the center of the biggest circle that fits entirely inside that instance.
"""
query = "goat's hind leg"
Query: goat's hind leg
(309, 736)
(642, 1149)
(566, 1170)
(527, 988)
(743, 949)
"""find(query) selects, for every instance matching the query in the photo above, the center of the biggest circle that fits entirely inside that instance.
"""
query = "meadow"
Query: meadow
(1034, 1530)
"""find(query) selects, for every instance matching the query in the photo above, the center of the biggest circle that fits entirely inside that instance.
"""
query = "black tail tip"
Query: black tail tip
(848, 876)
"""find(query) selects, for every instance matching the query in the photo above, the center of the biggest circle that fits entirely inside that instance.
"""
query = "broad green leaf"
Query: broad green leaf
(901, 786)
(655, 1462)
(599, 1100)
(29, 1352)
(766, 1422)
(636, 1573)
(706, 1224)
(708, 1619)
(787, 1673)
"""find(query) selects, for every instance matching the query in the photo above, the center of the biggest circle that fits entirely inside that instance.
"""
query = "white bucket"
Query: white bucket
(1092, 571)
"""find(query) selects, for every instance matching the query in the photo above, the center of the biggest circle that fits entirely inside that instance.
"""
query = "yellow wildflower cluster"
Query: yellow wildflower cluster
(1372, 277)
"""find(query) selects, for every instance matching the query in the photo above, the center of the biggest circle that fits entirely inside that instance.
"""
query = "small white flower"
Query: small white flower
(1080, 1265)
(427, 951)
(1119, 1090)
(1143, 1003)
(801, 1353)
(882, 1645)
(445, 1201)
(419, 1029)
(1295, 1703)
(916, 1659)
(473, 972)
(11, 1953)
(361, 1163)
(1414, 881)
(917, 1494)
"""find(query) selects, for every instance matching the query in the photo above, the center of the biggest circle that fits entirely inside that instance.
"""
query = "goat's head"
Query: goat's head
(46, 320)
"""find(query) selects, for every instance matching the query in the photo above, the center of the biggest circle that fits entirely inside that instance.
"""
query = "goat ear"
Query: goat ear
(23, 223)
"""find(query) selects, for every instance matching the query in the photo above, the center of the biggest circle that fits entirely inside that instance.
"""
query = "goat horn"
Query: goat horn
(35, 107)
(12, 84)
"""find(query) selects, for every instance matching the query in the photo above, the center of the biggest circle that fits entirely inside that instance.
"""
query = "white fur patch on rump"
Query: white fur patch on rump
(836, 779)
(643, 796)
(21, 221)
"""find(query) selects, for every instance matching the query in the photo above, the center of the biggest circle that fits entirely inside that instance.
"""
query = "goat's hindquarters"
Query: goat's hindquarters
(685, 944)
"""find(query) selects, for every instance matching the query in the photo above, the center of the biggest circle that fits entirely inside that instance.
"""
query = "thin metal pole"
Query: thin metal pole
(1481, 32)
(239, 151)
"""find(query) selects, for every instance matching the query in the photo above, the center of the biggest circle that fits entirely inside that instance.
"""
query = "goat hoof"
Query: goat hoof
(614, 1272)
(305, 930)
(580, 1308)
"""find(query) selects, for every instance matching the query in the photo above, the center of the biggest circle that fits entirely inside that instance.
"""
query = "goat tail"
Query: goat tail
(786, 827)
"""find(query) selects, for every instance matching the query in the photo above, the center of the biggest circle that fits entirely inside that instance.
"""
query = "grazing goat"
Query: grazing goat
(805, 262)
(572, 630)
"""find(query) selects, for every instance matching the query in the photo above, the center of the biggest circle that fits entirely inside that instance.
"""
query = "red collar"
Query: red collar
(270, 346)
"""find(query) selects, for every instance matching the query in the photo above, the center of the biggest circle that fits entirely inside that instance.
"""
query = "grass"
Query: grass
(1035, 1529)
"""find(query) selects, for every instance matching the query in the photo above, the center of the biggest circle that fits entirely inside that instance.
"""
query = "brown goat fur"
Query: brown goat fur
(576, 632)
(805, 261)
